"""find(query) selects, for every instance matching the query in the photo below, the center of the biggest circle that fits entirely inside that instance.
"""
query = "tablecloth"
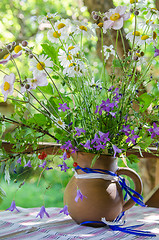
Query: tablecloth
(25, 225)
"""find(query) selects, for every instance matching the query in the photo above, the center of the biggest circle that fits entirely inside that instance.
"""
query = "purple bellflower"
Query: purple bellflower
(156, 52)
(43, 164)
(79, 131)
(19, 160)
(63, 107)
(79, 195)
(87, 144)
(126, 130)
(64, 156)
(116, 150)
(99, 146)
(65, 210)
(104, 136)
(63, 166)
(132, 138)
(42, 212)
(28, 164)
(12, 207)
(67, 145)
(154, 130)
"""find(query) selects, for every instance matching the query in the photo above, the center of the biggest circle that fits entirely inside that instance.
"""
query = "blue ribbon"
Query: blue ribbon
(129, 229)
(128, 190)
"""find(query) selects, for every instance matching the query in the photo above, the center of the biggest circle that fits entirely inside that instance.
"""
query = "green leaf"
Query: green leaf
(38, 119)
(145, 100)
(47, 89)
(94, 160)
(117, 63)
(132, 158)
(50, 51)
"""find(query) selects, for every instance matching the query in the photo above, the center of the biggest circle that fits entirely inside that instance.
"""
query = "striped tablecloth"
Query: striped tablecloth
(25, 225)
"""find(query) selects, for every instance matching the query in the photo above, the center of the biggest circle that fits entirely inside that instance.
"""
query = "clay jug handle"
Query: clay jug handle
(137, 183)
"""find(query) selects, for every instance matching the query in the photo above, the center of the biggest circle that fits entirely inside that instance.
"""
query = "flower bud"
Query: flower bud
(13, 43)
(9, 47)
(95, 17)
(1, 50)
(93, 13)
(24, 43)
(136, 12)
(31, 55)
(105, 18)
(27, 86)
(135, 58)
(142, 54)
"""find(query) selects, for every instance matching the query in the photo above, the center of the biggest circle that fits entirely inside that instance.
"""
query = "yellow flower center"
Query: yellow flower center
(83, 28)
(72, 64)
(148, 21)
(40, 66)
(56, 34)
(17, 49)
(154, 35)
(100, 24)
(144, 37)
(154, 9)
(6, 86)
(60, 122)
(69, 57)
(5, 57)
(133, 1)
(115, 16)
(138, 54)
(34, 80)
(61, 25)
(136, 33)
(70, 48)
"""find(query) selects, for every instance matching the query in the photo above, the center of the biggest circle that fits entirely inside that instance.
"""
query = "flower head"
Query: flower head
(154, 130)
(63, 107)
(39, 79)
(116, 18)
(63, 167)
(7, 86)
(43, 164)
(156, 52)
(79, 195)
(12, 207)
(28, 164)
(116, 150)
(65, 210)
(79, 131)
(38, 64)
(42, 212)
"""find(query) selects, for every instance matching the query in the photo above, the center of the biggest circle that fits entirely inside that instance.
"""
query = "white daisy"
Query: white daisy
(60, 123)
(63, 26)
(64, 58)
(54, 36)
(82, 27)
(116, 18)
(108, 50)
(37, 80)
(130, 36)
(7, 86)
(145, 39)
(75, 69)
(152, 13)
(43, 63)
(72, 49)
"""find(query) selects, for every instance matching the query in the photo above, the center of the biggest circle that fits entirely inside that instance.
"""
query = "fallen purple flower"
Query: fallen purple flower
(65, 210)
(12, 207)
(42, 212)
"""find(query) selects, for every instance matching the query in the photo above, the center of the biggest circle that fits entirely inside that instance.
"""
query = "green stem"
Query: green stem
(122, 39)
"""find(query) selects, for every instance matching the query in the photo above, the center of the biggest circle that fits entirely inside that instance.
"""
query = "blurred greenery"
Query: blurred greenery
(46, 188)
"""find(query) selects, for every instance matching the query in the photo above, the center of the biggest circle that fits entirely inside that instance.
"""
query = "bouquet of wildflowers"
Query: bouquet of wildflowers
(77, 105)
